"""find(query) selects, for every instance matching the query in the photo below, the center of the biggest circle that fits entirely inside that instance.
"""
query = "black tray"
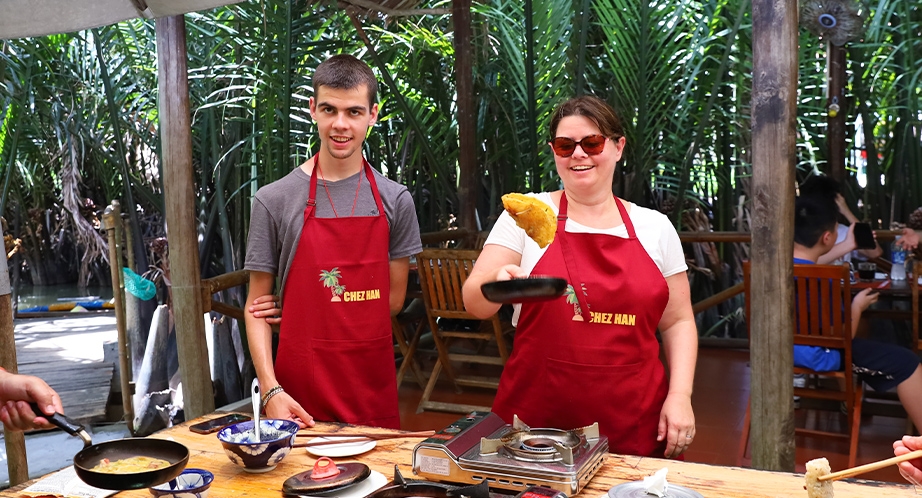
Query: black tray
(522, 290)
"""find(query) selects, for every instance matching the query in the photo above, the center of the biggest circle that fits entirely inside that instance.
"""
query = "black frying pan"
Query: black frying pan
(521, 290)
(92, 454)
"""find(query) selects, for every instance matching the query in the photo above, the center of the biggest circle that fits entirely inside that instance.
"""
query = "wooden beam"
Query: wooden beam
(835, 125)
(774, 93)
(179, 200)
(16, 462)
(468, 174)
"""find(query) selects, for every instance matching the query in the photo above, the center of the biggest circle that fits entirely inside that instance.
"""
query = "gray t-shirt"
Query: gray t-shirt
(277, 217)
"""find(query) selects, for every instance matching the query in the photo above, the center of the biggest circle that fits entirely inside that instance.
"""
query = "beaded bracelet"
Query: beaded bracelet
(270, 393)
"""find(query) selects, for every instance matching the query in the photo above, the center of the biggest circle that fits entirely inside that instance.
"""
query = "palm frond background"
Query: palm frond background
(78, 116)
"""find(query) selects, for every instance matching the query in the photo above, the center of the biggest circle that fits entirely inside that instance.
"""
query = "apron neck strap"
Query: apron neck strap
(312, 194)
(570, 259)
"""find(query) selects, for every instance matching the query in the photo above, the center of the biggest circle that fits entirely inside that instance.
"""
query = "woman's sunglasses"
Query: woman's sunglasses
(592, 145)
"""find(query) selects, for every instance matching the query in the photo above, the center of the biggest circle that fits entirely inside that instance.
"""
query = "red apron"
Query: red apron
(592, 356)
(335, 354)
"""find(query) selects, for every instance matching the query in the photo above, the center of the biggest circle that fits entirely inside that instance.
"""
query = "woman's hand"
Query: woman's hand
(676, 424)
(285, 407)
(268, 307)
(508, 272)
(911, 470)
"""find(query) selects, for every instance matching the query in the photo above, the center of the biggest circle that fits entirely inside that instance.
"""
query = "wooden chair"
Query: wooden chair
(822, 307)
(442, 273)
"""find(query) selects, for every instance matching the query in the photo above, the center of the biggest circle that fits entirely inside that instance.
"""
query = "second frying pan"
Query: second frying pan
(92, 454)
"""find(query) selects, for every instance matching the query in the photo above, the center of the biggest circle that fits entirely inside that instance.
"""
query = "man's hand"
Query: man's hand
(268, 307)
(865, 298)
(911, 470)
(16, 392)
(909, 240)
(285, 407)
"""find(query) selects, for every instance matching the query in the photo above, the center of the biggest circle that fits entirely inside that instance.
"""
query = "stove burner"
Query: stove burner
(539, 444)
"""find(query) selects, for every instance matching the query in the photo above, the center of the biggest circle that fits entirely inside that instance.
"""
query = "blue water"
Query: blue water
(43, 295)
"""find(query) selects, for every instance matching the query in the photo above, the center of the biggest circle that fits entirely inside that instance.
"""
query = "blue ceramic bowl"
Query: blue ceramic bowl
(276, 438)
(192, 483)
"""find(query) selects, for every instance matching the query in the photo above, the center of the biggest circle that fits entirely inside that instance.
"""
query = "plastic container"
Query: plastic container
(898, 257)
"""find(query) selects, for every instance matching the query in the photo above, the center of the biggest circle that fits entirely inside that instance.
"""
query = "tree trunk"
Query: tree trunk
(179, 195)
(774, 92)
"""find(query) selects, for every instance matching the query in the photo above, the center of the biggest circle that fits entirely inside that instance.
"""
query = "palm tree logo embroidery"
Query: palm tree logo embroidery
(572, 299)
(330, 278)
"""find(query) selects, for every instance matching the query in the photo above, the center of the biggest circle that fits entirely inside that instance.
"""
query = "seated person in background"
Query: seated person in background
(16, 392)
(911, 470)
(882, 366)
(826, 188)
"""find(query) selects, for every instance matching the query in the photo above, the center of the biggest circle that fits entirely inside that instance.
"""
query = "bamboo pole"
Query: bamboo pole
(179, 200)
(16, 463)
(112, 217)
(774, 92)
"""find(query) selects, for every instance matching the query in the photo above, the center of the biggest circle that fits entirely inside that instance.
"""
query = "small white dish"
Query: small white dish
(372, 483)
(351, 446)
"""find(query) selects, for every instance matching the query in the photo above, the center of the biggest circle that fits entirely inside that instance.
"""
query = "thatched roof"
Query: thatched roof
(21, 18)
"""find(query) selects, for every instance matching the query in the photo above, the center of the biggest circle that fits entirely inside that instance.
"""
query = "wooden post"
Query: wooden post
(113, 220)
(16, 463)
(774, 92)
(179, 199)
(835, 125)
(468, 180)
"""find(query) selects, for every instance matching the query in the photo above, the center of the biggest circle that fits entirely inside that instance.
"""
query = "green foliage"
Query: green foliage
(678, 72)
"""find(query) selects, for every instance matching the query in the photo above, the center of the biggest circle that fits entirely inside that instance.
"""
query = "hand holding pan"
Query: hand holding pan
(521, 290)
(92, 454)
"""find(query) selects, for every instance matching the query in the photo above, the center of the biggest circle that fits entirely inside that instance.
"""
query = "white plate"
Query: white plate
(371, 484)
(353, 446)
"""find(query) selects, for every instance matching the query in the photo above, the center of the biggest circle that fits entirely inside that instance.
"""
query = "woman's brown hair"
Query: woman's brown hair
(592, 108)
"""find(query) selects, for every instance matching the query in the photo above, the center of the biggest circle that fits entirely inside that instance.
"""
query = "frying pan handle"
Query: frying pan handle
(67, 425)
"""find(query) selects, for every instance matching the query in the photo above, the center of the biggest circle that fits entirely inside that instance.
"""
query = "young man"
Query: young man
(339, 234)
(882, 366)
(827, 188)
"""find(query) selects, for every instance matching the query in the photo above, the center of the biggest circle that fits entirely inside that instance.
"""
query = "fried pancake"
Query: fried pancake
(533, 216)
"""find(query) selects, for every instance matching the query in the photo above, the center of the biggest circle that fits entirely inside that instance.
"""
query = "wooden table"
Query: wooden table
(709, 480)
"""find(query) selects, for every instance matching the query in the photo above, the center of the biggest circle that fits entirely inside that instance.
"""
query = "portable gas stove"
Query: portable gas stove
(481, 447)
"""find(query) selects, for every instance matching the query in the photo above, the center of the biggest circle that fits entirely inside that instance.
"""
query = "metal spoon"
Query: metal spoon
(256, 407)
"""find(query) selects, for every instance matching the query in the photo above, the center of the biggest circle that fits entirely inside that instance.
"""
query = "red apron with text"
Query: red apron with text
(580, 359)
(335, 354)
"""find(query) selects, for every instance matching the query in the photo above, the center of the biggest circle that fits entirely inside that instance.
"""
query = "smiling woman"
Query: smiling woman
(625, 273)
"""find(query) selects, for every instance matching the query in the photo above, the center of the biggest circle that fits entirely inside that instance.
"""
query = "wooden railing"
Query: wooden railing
(217, 284)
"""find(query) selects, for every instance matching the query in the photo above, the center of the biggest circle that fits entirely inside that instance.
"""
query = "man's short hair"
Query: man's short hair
(345, 72)
(822, 186)
(813, 216)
